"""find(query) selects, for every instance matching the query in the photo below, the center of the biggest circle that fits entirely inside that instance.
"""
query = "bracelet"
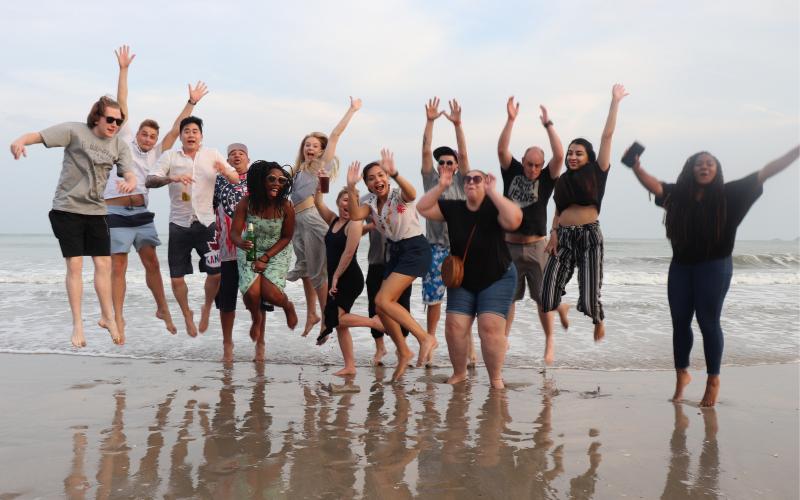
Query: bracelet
(548, 123)
(193, 103)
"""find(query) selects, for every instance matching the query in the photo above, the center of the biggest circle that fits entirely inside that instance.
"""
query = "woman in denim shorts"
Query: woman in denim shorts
(476, 227)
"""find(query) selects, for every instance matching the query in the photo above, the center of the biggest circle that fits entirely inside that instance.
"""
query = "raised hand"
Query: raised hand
(18, 150)
(512, 108)
(491, 183)
(455, 112)
(544, 117)
(219, 166)
(353, 174)
(124, 56)
(198, 92)
(387, 162)
(432, 109)
(618, 92)
(445, 176)
(355, 104)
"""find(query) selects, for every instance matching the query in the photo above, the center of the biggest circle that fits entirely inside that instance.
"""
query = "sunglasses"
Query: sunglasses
(111, 119)
(449, 163)
(473, 179)
(281, 180)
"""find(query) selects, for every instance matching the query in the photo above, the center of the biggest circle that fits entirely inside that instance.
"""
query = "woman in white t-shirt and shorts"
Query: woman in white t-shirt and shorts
(395, 216)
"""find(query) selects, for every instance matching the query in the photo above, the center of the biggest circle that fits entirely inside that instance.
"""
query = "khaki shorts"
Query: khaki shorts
(530, 259)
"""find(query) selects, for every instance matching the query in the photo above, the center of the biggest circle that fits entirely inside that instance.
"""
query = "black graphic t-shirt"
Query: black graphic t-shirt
(529, 195)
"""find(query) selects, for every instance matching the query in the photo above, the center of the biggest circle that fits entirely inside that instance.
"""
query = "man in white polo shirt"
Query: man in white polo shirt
(130, 222)
(191, 173)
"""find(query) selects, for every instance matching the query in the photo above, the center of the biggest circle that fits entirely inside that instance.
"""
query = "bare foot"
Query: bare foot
(682, 380)
(402, 364)
(291, 317)
(377, 324)
(78, 340)
(457, 379)
(497, 383)
(346, 372)
(261, 353)
(549, 352)
(377, 358)
(227, 353)
(473, 360)
(191, 329)
(425, 348)
(166, 317)
(712, 391)
(429, 361)
(205, 313)
(311, 320)
(112, 329)
(599, 332)
(563, 309)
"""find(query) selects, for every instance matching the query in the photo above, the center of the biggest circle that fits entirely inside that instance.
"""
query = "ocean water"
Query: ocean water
(761, 317)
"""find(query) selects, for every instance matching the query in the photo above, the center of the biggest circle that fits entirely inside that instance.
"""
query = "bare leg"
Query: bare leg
(380, 351)
(252, 300)
(261, 348)
(491, 329)
(152, 276)
(456, 333)
(102, 287)
(563, 309)
(226, 319)
(211, 288)
(311, 305)
(433, 315)
(510, 317)
(547, 319)
(682, 379)
(181, 292)
(599, 331)
(712, 392)
(346, 345)
(386, 302)
(74, 283)
(119, 266)
(274, 295)
(472, 356)
(404, 354)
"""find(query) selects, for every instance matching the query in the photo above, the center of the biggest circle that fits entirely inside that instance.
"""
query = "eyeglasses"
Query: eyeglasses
(111, 119)
(473, 179)
(281, 180)
(449, 163)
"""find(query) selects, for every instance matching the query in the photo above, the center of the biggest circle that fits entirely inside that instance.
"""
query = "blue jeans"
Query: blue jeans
(495, 298)
(698, 289)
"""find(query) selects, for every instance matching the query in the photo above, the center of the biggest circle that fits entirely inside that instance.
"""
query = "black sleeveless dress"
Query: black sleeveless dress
(351, 282)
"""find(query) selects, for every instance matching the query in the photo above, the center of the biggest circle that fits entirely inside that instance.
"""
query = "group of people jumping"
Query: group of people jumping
(498, 236)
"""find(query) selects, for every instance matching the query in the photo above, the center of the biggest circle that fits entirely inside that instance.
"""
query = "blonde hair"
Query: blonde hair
(314, 165)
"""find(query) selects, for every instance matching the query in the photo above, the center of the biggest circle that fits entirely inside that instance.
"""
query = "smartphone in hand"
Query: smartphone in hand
(636, 149)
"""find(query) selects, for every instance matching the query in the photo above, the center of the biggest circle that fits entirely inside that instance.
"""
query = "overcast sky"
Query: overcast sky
(717, 76)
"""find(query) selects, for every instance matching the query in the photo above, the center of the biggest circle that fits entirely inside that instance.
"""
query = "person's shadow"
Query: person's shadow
(705, 484)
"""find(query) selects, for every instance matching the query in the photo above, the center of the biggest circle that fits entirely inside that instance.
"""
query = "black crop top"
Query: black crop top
(584, 186)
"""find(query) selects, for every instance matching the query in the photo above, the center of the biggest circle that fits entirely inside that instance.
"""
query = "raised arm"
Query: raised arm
(455, 117)
(431, 114)
(503, 144)
(649, 182)
(557, 162)
(18, 147)
(195, 94)
(326, 213)
(338, 130)
(604, 154)
(777, 165)
(357, 211)
(509, 214)
(350, 247)
(124, 58)
(428, 204)
(406, 188)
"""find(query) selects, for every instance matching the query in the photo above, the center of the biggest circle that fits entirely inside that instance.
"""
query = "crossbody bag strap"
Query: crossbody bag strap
(466, 249)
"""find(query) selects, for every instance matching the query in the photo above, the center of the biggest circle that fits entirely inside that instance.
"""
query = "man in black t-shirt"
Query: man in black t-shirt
(530, 185)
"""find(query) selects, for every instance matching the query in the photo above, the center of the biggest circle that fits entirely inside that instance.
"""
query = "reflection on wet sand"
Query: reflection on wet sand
(680, 482)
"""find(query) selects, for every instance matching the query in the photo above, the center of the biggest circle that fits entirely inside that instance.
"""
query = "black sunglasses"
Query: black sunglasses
(281, 180)
(449, 163)
(473, 179)
(111, 119)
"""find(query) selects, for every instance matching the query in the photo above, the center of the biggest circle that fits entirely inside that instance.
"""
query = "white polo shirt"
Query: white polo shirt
(143, 161)
(201, 168)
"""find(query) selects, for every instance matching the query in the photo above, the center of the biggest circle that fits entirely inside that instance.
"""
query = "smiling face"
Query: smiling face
(704, 169)
(342, 204)
(239, 160)
(275, 182)
(191, 137)
(146, 138)
(533, 163)
(377, 181)
(576, 156)
(312, 148)
(105, 129)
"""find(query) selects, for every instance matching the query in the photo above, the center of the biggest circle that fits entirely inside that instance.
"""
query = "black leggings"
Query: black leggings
(698, 289)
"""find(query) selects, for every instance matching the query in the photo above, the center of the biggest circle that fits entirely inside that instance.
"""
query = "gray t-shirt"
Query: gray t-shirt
(436, 231)
(87, 161)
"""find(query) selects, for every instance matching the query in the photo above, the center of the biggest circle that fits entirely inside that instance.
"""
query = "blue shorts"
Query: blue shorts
(411, 256)
(495, 298)
(432, 286)
(122, 238)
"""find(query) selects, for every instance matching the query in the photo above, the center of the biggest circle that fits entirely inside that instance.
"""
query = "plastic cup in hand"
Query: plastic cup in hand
(324, 183)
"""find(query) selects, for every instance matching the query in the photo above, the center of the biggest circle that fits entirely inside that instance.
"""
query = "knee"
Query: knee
(381, 303)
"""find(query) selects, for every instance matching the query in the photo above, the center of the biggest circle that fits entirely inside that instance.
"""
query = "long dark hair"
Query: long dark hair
(257, 187)
(692, 223)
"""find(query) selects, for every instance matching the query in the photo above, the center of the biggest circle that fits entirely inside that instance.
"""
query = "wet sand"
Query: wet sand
(79, 427)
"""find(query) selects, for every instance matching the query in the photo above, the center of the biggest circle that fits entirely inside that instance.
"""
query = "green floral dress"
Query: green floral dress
(268, 231)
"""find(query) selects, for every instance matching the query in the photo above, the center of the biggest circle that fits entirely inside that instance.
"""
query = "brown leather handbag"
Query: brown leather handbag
(453, 266)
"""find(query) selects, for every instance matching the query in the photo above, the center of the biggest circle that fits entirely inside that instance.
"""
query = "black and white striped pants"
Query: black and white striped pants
(581, 246)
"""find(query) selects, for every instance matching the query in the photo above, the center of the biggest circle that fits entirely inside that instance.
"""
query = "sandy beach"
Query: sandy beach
(80, 426)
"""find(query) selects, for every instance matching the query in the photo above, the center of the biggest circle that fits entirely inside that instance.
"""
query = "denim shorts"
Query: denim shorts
(411, 256)
(122, 238)
(495, 298)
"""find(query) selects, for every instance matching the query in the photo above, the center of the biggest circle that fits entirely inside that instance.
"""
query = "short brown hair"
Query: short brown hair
(149, 123)
(99, 110)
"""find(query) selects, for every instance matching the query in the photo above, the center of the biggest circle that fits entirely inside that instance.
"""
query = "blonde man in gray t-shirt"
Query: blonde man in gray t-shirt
(78, 217)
